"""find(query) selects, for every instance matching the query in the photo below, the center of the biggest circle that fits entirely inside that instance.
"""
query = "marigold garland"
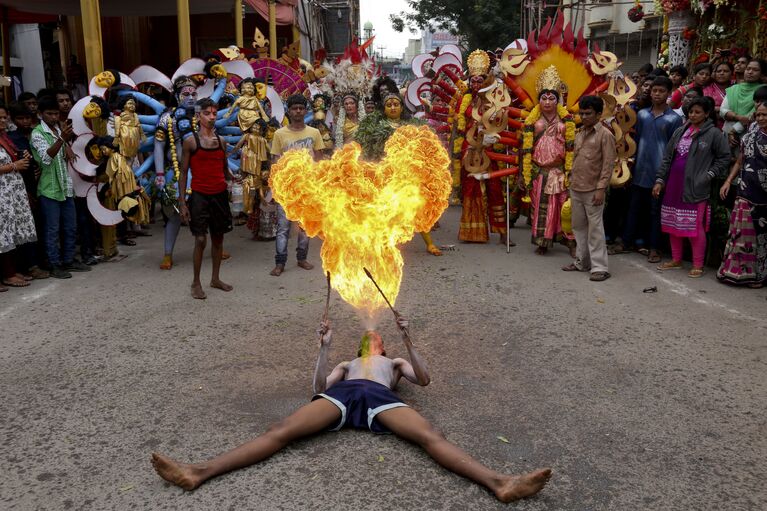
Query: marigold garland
(465, 102)
(528, 137)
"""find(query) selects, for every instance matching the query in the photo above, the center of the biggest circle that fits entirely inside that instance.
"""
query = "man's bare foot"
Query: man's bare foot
(223, 286)
(541, 250)
(522, 486)
(225, 255)
(433, 250)
(197, 291)
(180, 474)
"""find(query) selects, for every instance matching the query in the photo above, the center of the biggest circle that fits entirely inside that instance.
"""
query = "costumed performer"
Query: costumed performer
(172, 127)
(482, 200)
(376, 129)
(547, 148)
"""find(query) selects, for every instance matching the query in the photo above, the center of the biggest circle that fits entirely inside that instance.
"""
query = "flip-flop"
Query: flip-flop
(26, 278)
(12, 283)
(127, 242)
(654, 258)
(571, 267)
(618, 249)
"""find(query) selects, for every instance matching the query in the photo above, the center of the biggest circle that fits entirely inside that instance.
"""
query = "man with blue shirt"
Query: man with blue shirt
(654, 127)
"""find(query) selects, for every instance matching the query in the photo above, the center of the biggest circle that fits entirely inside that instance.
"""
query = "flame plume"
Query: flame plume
(363, 210)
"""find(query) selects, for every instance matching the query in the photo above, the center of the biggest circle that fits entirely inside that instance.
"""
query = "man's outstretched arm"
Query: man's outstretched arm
(418, 366)
(321, 379)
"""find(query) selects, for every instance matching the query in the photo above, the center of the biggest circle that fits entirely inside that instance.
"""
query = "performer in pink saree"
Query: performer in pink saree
(549, 188)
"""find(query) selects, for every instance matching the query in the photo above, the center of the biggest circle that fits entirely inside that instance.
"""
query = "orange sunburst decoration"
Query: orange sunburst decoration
(363, 210)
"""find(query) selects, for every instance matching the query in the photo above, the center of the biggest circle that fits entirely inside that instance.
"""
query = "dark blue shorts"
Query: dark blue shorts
(360, 401)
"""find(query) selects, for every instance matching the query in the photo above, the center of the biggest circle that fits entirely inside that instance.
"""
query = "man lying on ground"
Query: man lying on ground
(358, 394)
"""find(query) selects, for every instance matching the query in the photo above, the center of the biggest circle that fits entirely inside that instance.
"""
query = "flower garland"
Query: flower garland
(174, 154)
(529, 169)
(465, 102)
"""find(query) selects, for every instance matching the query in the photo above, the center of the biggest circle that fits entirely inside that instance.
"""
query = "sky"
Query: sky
(377, 12)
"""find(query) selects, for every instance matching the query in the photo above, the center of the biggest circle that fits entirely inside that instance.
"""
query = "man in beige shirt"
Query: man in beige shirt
(593, 163)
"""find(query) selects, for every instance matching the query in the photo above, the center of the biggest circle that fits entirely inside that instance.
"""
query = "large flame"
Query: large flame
(363, 210)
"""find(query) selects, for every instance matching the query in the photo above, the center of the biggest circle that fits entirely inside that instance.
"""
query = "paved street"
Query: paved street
(638, 401)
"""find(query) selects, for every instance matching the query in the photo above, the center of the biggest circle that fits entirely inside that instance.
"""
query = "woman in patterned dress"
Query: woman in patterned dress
(16, 224)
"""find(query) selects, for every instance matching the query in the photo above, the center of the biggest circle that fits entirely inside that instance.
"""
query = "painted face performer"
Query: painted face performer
(358, 394)
(549, 136)
(173, 126)
(483, 201)
(376, 129)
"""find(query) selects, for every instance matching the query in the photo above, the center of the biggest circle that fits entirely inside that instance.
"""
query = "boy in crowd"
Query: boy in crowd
(49, 145)
(654, 127)
(296, 135)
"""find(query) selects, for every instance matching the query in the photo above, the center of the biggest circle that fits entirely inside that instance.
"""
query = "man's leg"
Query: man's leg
(172, 226)
(216, 251)
(51, 215)
(597, 247)
(410, 425)
(281, 242)
(580, 225)
(302, 249)
(200, 240)
(307, 420)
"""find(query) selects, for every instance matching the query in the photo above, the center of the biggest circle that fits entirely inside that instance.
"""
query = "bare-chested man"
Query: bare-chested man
(358, 394)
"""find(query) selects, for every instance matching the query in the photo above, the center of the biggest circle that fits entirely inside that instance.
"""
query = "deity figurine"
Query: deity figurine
(548, 143)
(320, 104)
(376, 128)
(122, 182)
(254, 154)
(250, 105)
(128, 133)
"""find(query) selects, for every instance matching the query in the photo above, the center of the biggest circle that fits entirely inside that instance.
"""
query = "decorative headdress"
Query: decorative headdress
(181, 82)
(478, 63)
(549, 80)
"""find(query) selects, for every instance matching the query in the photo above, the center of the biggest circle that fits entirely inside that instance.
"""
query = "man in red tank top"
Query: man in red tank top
(208, 209)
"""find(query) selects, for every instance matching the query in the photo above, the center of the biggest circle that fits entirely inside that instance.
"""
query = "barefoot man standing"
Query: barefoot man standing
(205, 157)
(358, 394)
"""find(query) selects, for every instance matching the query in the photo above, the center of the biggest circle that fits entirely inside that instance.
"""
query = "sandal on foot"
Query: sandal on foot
(644, 251)
(654, 257)
(15, 282)
(696, 273)
(599, 276)
(755, 285)
(670, 265)
(571, 267)
(618, 248)
(127, 242)
(26, 278)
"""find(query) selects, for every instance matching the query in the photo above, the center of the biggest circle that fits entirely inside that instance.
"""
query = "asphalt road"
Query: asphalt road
(638, 401)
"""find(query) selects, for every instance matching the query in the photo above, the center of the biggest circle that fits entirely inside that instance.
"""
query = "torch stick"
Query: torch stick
(508, 220)
(327, 306)
(396, 314)
(327, 301)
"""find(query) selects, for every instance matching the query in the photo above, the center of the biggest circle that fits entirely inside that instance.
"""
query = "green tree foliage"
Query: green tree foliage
(486, 24)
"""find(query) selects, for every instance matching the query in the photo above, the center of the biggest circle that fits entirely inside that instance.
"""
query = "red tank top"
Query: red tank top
(208, 169)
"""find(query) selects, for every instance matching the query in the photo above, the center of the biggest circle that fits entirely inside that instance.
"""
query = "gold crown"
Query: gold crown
(478, 62)
(549, 80)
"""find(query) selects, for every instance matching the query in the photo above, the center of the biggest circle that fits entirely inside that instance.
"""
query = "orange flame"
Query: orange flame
(363, 210)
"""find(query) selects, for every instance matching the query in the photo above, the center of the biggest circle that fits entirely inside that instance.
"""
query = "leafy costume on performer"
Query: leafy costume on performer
(375, 130)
